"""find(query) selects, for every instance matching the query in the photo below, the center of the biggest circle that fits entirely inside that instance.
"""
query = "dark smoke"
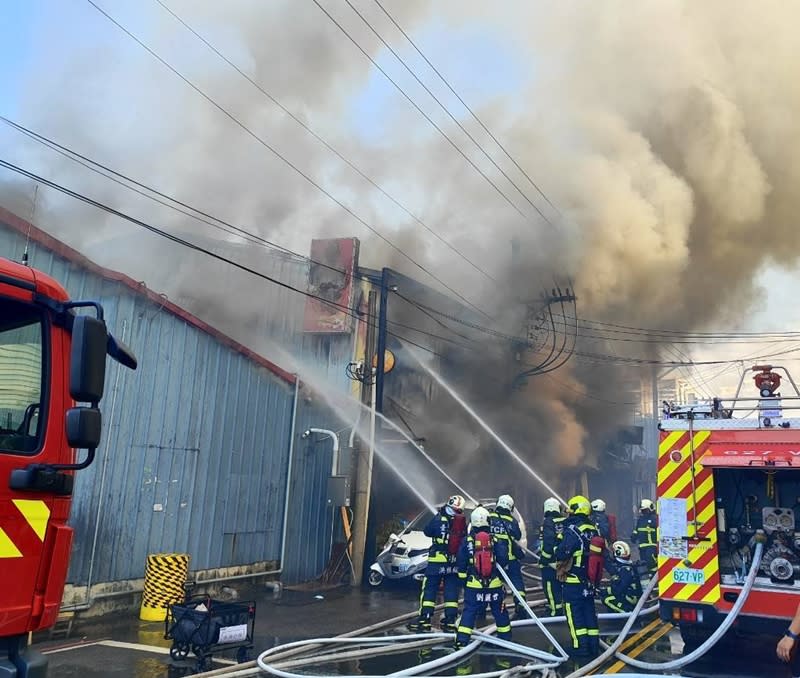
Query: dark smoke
(666, 133)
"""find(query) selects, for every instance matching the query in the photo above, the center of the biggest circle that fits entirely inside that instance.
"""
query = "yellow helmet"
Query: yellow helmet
(579, 505)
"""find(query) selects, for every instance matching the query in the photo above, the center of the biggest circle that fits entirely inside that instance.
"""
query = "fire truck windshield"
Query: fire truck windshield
(21, 356)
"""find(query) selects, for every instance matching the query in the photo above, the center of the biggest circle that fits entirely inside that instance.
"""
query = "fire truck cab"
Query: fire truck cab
(729, 473)
(52, 357)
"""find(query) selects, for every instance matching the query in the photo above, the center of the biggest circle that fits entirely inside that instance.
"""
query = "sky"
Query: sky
(66, 71)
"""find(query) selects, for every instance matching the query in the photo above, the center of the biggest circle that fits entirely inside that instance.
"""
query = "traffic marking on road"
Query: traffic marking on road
(635, 652)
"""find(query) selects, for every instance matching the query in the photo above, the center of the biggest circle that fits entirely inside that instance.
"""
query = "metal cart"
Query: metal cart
(205, 626)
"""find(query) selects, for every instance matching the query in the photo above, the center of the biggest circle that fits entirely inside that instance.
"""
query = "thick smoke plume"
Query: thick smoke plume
(665, 132)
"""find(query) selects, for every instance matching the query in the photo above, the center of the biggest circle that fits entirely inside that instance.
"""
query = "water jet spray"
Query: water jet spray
(440, 380)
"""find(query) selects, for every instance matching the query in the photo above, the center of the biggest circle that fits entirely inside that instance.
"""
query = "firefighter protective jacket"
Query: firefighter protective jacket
(550, 534)
(505, 530)
(438, 529)
(645, 532)
(576, 544)
(465, 564)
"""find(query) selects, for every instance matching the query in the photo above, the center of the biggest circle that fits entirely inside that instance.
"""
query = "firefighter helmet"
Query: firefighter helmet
(479, 517)
(552, 505)
(647, 505)
(505, 501)
(456, 502)
(621, 550)
(579, 505)
(598, 505)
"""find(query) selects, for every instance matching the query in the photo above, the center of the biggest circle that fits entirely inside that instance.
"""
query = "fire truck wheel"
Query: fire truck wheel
(693, 637)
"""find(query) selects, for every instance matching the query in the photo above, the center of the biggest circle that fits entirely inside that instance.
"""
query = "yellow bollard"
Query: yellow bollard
(164, 578)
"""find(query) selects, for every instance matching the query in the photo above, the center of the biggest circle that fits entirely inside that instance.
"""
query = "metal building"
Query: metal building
(197, 442)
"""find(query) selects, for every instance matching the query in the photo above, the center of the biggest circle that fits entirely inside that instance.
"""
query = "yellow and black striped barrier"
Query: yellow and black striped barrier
(164, 578)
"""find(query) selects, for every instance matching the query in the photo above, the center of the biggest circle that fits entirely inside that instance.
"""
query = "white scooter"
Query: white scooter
(406, 554)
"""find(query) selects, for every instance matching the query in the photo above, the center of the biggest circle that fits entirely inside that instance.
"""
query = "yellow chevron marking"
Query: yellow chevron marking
(688, 590)
(669, 440)
(36, 513)
(699, 438)
(7, 547)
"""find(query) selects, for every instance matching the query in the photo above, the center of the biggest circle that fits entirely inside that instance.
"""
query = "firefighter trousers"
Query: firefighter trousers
(552, 591)
(435, 574)
(615, 604)
(581, 618)
(648, 554)
(475, 602)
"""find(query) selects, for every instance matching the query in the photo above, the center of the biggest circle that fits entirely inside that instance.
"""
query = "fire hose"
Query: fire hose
(546, 660)
(695, 654)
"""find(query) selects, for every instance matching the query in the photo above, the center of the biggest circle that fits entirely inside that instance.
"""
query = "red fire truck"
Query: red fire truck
(52, 356)
(727, 470)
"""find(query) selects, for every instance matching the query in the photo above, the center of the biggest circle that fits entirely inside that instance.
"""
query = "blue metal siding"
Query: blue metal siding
(201, 430)
(310, 521)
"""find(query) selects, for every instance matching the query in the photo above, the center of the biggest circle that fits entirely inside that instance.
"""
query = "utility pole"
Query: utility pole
(363, 479)
(377, 405)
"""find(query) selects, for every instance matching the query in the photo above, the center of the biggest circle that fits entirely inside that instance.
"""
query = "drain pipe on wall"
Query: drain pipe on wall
(332, 435)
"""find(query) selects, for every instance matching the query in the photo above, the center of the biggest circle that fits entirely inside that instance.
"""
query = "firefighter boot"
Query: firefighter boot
(448, 625)
(420, 625)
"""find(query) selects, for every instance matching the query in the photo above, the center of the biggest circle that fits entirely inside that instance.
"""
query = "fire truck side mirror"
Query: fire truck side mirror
(84, 425)
(87, 369)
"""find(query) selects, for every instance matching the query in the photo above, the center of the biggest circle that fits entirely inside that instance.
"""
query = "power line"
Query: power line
(348, 310)
(632, 330)
(93, 166)
(465, 105)
(197, 248)
(120, 179)
(283, 158)
(423, 113)
(325, 143)
(424, 309)
(449, 114)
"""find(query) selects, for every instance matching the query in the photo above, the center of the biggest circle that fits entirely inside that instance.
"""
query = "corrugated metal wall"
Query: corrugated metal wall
(195, 448)
(263, 316)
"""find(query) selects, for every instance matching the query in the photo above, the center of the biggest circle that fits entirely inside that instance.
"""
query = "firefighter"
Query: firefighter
(575, 555)
(446, 529)
(625, 588)
(645, 535)
(477, 568)
(549, 538)
(506, 532)
(600, 519)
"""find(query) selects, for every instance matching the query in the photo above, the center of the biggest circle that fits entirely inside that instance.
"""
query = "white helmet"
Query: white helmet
(648, 505)
(552, 505)
(621, 550)
(480, 517)
(456, 502)
(505, 501)
(598, 505)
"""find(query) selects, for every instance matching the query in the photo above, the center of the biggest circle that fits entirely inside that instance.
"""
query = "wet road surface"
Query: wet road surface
(121, 645)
